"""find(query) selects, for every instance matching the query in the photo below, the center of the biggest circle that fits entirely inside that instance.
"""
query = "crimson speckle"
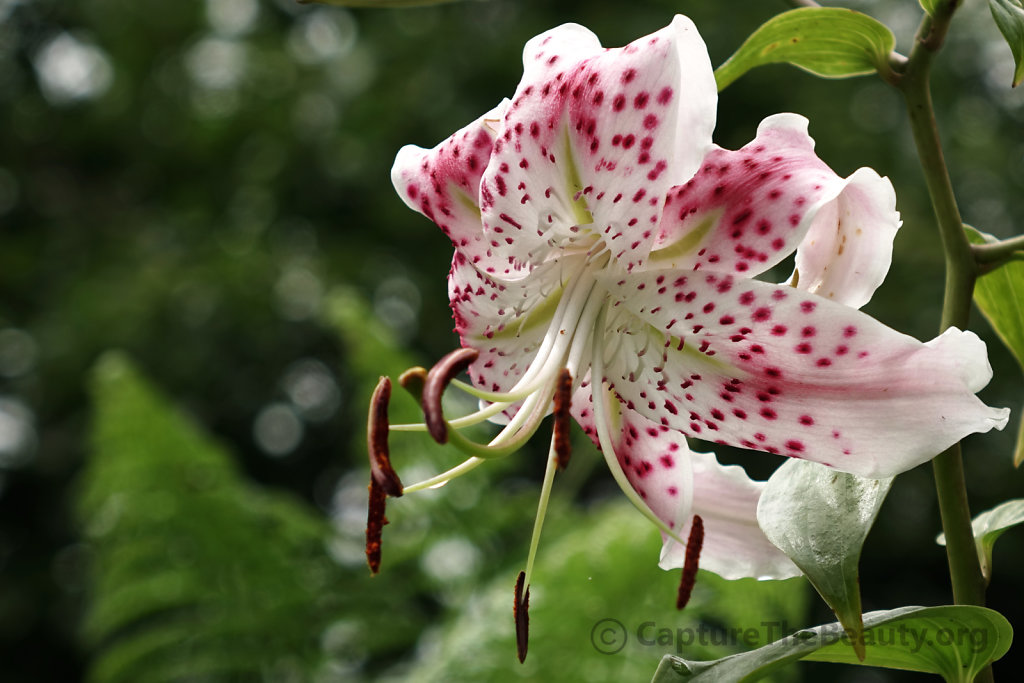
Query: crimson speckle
(650, 121)
(808, 331)
(640, 101)
(667, 461)
(746, 298)
(628, 75)
(824, 362)
(628, 141)
(619, 103)
(779, 330)
(762, 314)
(665, 96)
(849, 331)
(809, 306)
(794, 445)
(803, 348)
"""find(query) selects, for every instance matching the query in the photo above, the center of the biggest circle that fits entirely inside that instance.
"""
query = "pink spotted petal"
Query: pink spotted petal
(655, 461)
(746, 210)
(847, 251)
(772, 368)
(443, 183)
(593, 140)
(734, 545)
(504, 321)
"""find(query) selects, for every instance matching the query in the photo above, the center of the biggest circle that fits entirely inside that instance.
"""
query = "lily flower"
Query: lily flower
(597, 229)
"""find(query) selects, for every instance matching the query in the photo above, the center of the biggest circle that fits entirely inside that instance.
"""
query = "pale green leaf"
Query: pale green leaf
(820, 518)
(930, 6)
(999, 295)
(955, 642)
(990, 525)
(1009, 16)
(827, 41)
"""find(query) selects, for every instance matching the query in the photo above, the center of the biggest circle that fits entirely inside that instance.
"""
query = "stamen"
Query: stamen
(377, 440)
(521, 614)
(693, 546)
(437, 379)
(563, 399)
(412, 380)
(375, 521)
(440, 480)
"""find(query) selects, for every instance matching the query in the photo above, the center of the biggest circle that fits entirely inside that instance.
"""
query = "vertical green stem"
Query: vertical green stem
(961, 274)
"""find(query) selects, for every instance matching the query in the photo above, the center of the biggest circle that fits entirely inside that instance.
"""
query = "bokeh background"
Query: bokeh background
(203, 270)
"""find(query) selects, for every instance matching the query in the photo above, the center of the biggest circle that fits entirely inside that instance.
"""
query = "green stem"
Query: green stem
(961, 273)
(997, 252)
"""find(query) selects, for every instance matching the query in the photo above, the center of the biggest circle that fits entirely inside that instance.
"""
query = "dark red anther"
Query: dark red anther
(693, 546)
(377, 440)
(562, 401)
(521, 614)
(437, 379)
(412, 380)
(375, 521)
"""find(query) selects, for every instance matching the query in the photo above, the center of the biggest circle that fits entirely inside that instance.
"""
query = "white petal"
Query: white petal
(734, 545)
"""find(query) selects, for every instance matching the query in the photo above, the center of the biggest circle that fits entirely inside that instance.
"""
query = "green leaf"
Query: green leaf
(930, 6)
(990, 525)
(1000, 296)
(954, 641)
(830, 42)
(1009, 16)
(820, 518)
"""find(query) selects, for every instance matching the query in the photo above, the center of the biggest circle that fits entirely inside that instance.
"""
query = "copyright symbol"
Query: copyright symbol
(608, 636)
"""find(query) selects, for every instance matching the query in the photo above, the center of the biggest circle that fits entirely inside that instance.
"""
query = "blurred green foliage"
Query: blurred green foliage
(195, 572)
(205, 185)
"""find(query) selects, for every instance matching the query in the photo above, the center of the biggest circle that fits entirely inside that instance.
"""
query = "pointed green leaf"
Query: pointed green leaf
(820, 518)
(990, 525)
(830, 42)
(1000, 296)
(1009, 16)
(954, 641)
(930, 6)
